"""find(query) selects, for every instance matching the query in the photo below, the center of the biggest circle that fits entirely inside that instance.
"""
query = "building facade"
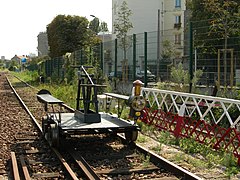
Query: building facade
(164, 22)
(145, 14)
(42, 44)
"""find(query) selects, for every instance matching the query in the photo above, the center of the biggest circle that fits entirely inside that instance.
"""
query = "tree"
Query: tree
(224, 22)
(97, 27)
(169, 51)
(103, 27)
(182, 78)
(122, 26)
(94, 25)
(216, 24)
(67, 34)
(218, 19)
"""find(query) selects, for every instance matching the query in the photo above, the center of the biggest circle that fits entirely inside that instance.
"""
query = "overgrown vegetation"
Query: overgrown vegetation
(180, 80)
(208, 157)
(31, 77)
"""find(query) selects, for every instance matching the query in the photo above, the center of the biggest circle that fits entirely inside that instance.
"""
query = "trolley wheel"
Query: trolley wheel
(44, 125)
(131, 136)
(53, 135)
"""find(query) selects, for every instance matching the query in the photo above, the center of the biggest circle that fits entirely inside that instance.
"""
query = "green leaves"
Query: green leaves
(179, 75)
(67, 34)
(216, 25)
(223, 13)
(122, 26)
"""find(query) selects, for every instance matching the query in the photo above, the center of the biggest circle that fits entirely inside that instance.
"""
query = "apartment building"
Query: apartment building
(145, 16)
(163, 20)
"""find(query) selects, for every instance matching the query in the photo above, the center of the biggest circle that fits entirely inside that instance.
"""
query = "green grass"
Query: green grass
(210, 157)
(145, 160)
(142, 139)
(31, 77)
(157, 148)
(66, 93)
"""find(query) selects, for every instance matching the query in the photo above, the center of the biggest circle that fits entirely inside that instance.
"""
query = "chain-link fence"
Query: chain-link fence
(150, 56)
(216, 52)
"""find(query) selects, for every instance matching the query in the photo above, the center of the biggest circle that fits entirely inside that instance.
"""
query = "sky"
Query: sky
(22, 20)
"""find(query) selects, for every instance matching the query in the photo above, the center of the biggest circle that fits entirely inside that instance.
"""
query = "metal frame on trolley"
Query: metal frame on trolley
(86, 119)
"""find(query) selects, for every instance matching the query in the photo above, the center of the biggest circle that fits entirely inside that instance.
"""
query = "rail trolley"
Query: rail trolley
(57, 125)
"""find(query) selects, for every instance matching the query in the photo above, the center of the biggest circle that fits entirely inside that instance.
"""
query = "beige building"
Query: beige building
(163, 20)
(165, 16)
(145, 14)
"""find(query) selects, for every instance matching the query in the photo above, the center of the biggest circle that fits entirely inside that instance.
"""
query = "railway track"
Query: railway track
(86, 157)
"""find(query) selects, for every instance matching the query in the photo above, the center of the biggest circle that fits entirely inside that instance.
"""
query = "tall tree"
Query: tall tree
(224, 22)
(216, 23)
(215, 18)
(96, 26)
(67, 34)
(222, 16)
(122, 26)
(103, 27)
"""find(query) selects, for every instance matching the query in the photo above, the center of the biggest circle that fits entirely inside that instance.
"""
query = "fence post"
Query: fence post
(102, 56)
(145, 59)
(81, 57)
(190, 56)
(134, 56)
(115, 65)
(180, 121)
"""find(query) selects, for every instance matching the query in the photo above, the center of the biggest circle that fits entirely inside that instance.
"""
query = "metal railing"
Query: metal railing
(208, 108)
(213, 121)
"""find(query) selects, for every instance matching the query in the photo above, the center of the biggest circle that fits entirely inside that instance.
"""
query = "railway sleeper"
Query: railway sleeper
(45, 175)
(143, 170)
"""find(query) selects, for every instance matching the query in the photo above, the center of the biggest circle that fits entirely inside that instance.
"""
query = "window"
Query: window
(177, 3)
(178, 19)
(177, 23)
(177, 38)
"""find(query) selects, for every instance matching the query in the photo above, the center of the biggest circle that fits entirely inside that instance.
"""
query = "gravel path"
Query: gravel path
(12, 120)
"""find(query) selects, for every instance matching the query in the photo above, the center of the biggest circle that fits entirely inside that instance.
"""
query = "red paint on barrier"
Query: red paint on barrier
(206, 133)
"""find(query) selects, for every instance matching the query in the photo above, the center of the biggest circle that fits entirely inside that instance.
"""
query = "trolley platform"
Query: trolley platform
(70, 124)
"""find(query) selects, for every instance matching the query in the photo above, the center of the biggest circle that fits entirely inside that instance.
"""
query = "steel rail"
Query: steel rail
(64, 105)
(24, 168)
(65, 164)
(84, 166)
(175, 169)
(165, 164)
(15, 166)
(25, 82)
(63, 161)
(24, 105)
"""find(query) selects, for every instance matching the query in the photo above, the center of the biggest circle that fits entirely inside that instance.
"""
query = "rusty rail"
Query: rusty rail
(15, 166)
